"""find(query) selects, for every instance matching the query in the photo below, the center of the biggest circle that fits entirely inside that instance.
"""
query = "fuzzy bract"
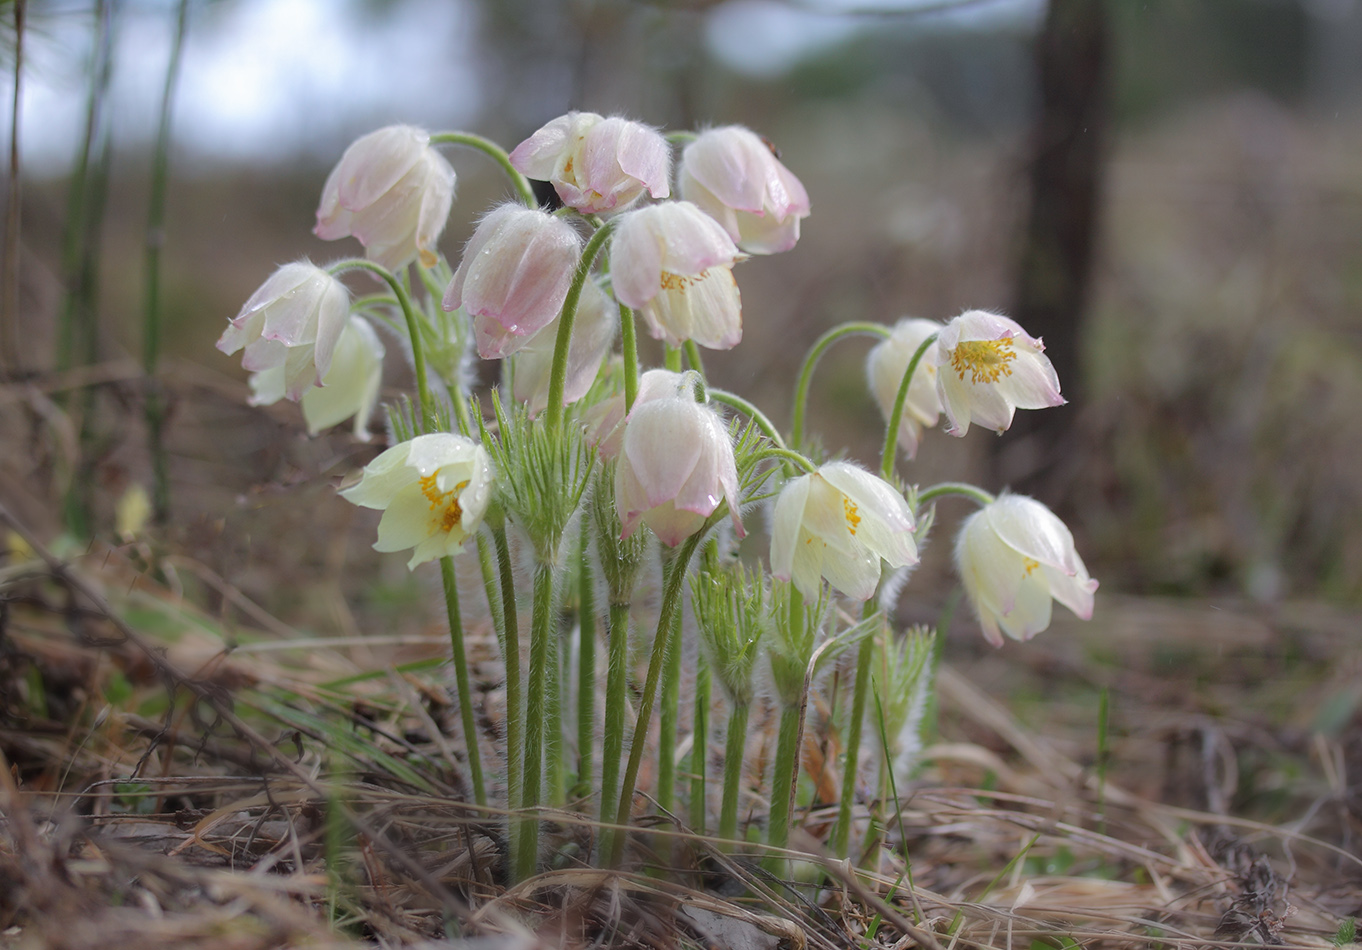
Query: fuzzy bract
(1014, 556)
(392, 191)
(839, 523)
(734, 177)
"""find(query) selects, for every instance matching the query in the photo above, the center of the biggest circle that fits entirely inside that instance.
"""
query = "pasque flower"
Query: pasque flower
(291, 323)
(432, 490)
(593, 331)
(840, 522)
(514, 276)
(392, 191)
(349, 388)
(1014, 556)
(674, 263)
(675, 466)
(988, 367)
(885, 366)
(736, 179)
(596, 164)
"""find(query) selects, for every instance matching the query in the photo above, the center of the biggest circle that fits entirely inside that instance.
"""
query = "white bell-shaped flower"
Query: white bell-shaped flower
(736, 179)
(291, 324)
(1014, 556)
(597, 164)
(675, 466)
(884, 368)
(349, 388)
(989, 367)
(840, 522)
(674, 263)
(433, 491)
(593, 331)
(392, 191)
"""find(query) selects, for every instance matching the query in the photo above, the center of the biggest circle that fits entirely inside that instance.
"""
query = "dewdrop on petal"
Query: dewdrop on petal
(736, 179)
(291, 324)
(433, 491)
(987, 368)
(1014, 556)
(840, 522)
(393, 192)
(350, 387)
(885, 366)
(514, 276)
(674, 263)
(675, 467)
(597, 164)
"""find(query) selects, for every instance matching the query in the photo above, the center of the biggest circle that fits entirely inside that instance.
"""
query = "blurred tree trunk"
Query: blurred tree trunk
(1057, 249)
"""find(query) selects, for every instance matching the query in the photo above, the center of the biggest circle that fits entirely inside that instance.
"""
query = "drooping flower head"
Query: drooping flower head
(596, 164)
(885, 366)
(432, 490)
(593, 330)
(736, 179)
(392, 191)
(349, 388)
(514, 275)
(1014, 556)
(291, 323)
(838, 523)
(674, 263)
(988, 367)
(675, 466)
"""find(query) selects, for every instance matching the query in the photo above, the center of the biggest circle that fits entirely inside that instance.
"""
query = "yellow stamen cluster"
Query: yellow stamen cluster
(1030, 566)
(672, 281)
(985, 360)
(852, 515)
(450, 512)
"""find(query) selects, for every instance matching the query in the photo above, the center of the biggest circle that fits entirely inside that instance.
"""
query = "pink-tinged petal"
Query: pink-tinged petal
(241, 331)
(262, 354)
(1033, 531)
(541, 155)
(333, 315)
(643, 154)
(636, 260)
(436, 200)
(1033, 383)
(1030, 613)
(671, 524)
(300, 371)
(786, 520)
(494, 341)
(333, 221)
(1073, 591)
(727, 163)
(662, 462)
(990, 570)
(768, 234)
(376, 162)
(734, 177)
(707, 309)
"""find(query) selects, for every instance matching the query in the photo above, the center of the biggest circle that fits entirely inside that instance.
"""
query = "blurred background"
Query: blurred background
(1169, 192)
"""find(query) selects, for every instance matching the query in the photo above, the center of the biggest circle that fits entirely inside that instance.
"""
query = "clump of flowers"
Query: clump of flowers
(584, 454)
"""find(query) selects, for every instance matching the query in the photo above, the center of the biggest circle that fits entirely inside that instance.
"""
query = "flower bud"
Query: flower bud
(596, 164)
(838, 523)
(432, 490)
(349, 388)
(988, 367)
(291, 323)
(675, 466)
(1014, 556)
(885, 367)
(674, 263)
(392, 191)
(737, 180)
(593, 330)
(514, 275)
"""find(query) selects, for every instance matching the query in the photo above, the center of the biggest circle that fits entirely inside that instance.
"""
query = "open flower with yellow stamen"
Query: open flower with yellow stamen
(838, 523)
(987, 368)
(1014, 555)
(432, 490)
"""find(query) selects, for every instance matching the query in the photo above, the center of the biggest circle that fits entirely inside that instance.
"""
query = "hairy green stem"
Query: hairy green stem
(497, 154)
(555, 714)
(671, 599)
(954, 488)
(616, 687)
(671, 358)
(470, 728)
(735, 746)
(510, 655)
(816, 352)
(750, 410)
(852, 748)
(699, 747)
(669, 720)
(629, 350)
(693, 357)
(541, 629)
(789, 456)
(586, 665)
(783, 777)
(553, 415)
(891, 435)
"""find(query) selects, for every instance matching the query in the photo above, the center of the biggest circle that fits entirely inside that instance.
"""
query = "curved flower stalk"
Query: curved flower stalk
(514, 276)
(432, 490)
(1014, 556)
(885, 366)
(674, 263)
(349, 388)
(735, 178)
(291, 325)
(594, 331)
(988, 367)
(676, 465)
(839, 523)
(596, 164)
(392, 192)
